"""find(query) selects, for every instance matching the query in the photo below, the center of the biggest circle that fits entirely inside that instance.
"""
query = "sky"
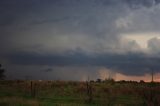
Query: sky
(77, 39)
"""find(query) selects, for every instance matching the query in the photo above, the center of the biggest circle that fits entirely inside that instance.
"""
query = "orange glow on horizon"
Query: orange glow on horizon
(146, 77)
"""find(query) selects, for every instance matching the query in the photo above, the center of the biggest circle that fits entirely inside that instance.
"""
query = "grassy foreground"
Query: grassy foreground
(61, 93)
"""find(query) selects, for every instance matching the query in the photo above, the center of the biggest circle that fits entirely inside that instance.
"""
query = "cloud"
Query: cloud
(153, 45)
(144, 19)
(48, 70)
(136, 4)
(93, 26)
(77, 33)
(62, 26)
(129, 64)
(38, 72)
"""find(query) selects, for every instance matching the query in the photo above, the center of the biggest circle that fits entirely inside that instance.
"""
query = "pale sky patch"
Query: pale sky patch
(119, 76)
(141, 38)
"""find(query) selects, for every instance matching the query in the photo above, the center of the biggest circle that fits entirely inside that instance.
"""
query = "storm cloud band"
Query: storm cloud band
(120, 35)
(130, 64)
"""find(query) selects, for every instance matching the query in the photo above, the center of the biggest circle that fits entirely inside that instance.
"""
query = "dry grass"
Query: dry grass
(16, 101)
(61, 93)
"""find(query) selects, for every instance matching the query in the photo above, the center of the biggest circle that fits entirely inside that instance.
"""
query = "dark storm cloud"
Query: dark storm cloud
(48, 70)
(130, 64)
(12, 11)
(135, 4)
(52, 20)
(44, 23)
(47, 29)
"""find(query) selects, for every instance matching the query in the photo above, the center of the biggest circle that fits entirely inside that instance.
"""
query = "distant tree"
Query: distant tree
(141, 81)
(2, 76)
(109, 80)
(99, 80)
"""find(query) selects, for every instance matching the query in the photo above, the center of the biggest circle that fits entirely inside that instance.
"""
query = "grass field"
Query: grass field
(61, 93)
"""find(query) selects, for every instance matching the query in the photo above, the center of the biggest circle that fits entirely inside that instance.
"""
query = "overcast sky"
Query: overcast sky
(74, 39)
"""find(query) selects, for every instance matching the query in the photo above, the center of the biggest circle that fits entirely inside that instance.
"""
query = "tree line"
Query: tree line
(2, 76)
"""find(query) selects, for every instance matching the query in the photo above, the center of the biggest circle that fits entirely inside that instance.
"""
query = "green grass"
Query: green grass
(60, 93)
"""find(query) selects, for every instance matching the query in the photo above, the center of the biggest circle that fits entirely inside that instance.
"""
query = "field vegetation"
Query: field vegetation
(74, 93)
